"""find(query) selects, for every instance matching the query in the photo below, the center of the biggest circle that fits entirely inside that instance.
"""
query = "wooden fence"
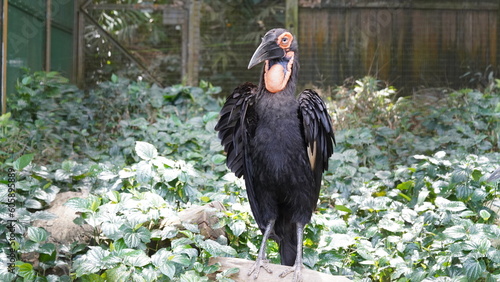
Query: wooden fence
(421, 43)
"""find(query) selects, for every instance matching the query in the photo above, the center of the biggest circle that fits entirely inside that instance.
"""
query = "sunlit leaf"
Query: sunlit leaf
(485, 215)
(137, 259)
(119, 273)
(453, 206)
(145, 150)
(26, 271)
(37, 234)
(455, 232)
(237, 226)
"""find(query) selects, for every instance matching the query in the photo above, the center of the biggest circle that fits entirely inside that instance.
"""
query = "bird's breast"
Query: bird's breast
(278, 140)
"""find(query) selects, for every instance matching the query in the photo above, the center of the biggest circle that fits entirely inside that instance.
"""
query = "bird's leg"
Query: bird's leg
(297, 267)
(261, 257)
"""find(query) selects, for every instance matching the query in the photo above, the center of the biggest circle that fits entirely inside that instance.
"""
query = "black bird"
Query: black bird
(280, 144)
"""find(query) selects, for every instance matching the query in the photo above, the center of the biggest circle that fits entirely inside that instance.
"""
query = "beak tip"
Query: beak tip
(252, 63)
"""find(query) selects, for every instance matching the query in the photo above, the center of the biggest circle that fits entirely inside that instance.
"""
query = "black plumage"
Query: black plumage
(280, 144)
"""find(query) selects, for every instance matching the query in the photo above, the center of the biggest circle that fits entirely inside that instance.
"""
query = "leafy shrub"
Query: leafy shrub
(406, 196)
(130, 220)
(391, 130)
(429, 220)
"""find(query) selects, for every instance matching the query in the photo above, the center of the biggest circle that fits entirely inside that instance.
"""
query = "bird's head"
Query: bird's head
(279, 52)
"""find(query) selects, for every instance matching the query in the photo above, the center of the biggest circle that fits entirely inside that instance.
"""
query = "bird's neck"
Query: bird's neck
(279, 75)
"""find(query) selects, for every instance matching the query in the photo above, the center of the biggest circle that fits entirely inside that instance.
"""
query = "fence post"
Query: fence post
(5, 18)
(498, 41)
(292, 16)
(79, 43)
(193, 43)
(48, 34)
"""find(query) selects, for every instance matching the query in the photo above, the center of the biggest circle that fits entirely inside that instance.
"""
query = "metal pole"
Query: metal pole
(5, 17)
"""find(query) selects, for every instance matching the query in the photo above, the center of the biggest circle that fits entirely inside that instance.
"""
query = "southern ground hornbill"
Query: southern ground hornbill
(280, 145)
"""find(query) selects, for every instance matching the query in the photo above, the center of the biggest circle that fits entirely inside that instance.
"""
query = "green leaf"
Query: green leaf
(95, 202)
(474, 268)
(120, 273)
(233, 270)
(485, 215)
(4, 119)
(405, 196)
(191, 276)
(476, 175)
(339, 241)
(452, 206)
(114, 78)
(181, 259)
(134, 239)
(409, 215)
(23, 161)
(92, 278)
(37, 234)
(390, 225)
(145, 150)
(343, 208)
(47, 258)
(210, 116)
(118, 245)
(79, 204)
(459, 176)
(136, 258)
(26, 271)
(455, 232)
(215, 249)
(47, 248)
(33, 204)
(92, 261)
(218, 159)
(406, 185)
(166, 266)
(144, 172)
(114, 196)
(210, 268)
(237, 226)
(170, 174)
(383, 174)
(26, 80)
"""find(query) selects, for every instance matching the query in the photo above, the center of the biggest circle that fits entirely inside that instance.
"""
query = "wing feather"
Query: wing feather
(236, 127)
(235, 124)
(318, 131)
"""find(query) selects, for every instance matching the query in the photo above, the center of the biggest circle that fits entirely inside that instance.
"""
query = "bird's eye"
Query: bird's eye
(285, 40)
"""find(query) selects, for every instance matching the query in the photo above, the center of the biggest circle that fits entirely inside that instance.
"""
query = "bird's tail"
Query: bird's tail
(288, 244)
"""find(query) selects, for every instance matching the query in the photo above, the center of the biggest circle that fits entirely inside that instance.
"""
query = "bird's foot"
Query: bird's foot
(297, 272)
(264, 263)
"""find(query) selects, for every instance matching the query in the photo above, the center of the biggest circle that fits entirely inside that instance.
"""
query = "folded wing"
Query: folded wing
(318, 131)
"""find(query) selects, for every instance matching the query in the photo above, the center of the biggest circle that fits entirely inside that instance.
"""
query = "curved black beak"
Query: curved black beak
(267, 50)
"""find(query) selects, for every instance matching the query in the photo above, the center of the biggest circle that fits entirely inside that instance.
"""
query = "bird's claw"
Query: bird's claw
(264, 263)
(297, 272)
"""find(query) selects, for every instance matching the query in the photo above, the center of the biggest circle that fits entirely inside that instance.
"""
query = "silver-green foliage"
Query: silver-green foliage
(406, 197)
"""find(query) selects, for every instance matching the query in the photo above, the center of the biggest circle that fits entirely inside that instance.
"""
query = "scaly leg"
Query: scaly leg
(261, 257)
(297, 267)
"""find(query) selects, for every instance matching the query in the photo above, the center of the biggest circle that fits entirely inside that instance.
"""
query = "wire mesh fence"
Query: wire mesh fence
(412, 45)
